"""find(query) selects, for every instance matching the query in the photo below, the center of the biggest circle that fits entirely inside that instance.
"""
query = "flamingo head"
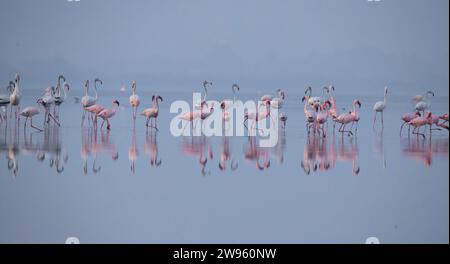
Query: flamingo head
(116, 102)
(385, 90)
(61, 77)
(326, 89)
(86, 83)
(430, 93)
(17, 77)
(418, 114)
(357, 102)
(222, 105)
(97, 80)
(157, 97)
(303, 99)
(327, 102)
(235, 87)
(429, 115)
(10, 87)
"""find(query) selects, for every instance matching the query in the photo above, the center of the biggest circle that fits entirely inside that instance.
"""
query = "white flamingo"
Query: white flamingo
(424, 103)
(379, 108)
(15, 97)
(134, 99)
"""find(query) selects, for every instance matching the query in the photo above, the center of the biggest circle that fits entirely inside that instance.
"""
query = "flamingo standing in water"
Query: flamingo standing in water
(14, 98)
(47, 101)
(29, 112)
(406, 118)
(134, 99)
(379, 108)
(59, 98)
(355, 114)
(94, 110)
(256, 117)
(192, 115)
(418, 122)
(310, 115)
(106, 114)
(322, 117)
(350, 117)
(205, 84)
(87, 100)
(153, 112)
(5, 100)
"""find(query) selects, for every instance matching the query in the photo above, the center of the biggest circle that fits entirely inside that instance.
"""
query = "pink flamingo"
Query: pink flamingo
(256, 117)
(334, 113)
(418, 122)
(134, 99)
(310, 115)
(106, 114)
(322, 117)
(355, 114)
(193, 115)
(346, 118)
(29, 112)
(152, 112)
(407, 118)
(94, 110)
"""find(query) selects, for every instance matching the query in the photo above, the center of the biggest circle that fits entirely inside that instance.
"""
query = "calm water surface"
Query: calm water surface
(133, 186)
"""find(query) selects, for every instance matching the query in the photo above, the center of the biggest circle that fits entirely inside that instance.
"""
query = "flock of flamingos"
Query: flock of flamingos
(317, 109)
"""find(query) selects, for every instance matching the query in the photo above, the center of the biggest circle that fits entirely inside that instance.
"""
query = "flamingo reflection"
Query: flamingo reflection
(423, 150)
(198, 146)
(254, 153)
(151, 149)
(92, 146)
(319, 156)
(225, 156)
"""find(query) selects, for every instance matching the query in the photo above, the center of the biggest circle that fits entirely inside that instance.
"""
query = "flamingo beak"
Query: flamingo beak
(117, 102)
(160, 98)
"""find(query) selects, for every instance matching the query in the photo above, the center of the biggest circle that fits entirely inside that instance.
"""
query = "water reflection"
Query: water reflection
(92, 146)
(225, 156)
(151, 148)
(378, 147)
(423, 150)
(318, 156)
(50, 147)
(256, 154)
(199, 147)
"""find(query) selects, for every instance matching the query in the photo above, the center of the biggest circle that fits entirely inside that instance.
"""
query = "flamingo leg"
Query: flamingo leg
(382, 118)
(374, 119)
(31, 123)
(25, 125)
(54, 119)
(418, 133)
(404, 123)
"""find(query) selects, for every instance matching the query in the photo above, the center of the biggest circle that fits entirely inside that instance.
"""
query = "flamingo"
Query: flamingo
(134, 99)
(278, 101)
(86, 100)
(47, 101)
(256, 117)
(29, 112)
(407, 118)
(192, 115)
(5, 99)
(315, 101)
(434, 120)
(379, 108)
(322, 117)
(355, 113)
(15, 97)
(344, 119)
(95, 110)
(227, 103)
(152, 112)
(419, 122)
(205, 84)
(423, 103)
(107, 113)
(310, 115)
(59, 99)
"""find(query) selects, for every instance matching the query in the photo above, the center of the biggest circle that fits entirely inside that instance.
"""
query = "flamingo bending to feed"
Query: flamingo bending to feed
(418, 122)
(29, 112)
(47, 101)
(14, 98)
(95, 110)
(379, 108)
(134, 100)
(407, 118)
(107, 113)
(152, 113)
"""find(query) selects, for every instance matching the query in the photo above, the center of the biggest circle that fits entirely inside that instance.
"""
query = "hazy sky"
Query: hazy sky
(355, 44)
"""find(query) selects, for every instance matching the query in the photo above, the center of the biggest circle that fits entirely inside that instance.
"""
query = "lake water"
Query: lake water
(133, 186)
